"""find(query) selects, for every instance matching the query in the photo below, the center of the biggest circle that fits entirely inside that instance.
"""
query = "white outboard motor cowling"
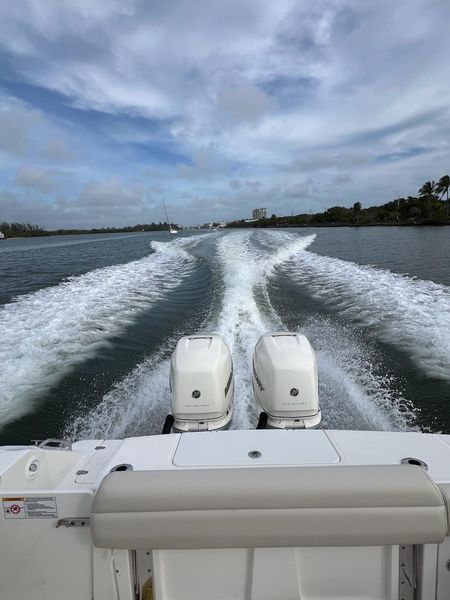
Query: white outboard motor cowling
(201, 383)
(285, 380)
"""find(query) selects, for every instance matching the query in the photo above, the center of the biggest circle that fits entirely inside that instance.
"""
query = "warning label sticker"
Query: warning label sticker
(14, 508)
(30, 507)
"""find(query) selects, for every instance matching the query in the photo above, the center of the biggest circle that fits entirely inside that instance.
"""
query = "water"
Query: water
(88, 323)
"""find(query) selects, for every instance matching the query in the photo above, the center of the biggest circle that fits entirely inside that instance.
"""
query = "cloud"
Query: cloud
(16, 126)
(98, 204)
(242, 103)
(58, 149)
(26, 209)
(34, 178)
(221, 105)
(105, 195)
(326, 160)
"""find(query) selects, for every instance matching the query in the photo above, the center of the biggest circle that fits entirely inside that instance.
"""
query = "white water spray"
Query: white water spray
(46, 333)
(353, 393)
(409, 313)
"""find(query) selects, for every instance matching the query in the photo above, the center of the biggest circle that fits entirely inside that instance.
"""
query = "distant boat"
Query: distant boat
(172, 230)
(2, 236)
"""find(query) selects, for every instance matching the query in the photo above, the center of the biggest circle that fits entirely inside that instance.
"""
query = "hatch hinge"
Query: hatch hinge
(408, 572)
(73, 522)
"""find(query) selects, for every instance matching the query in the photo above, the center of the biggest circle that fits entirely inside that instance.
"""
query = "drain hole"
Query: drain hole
(255, 454)
(415, 461)
(122, 467)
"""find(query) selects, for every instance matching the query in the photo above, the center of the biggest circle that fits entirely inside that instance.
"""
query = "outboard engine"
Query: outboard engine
(201, 384)
(285, 381)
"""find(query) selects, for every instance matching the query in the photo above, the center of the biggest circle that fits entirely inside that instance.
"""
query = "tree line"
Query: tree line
(20, 229)
(429, 207)
(28, 230)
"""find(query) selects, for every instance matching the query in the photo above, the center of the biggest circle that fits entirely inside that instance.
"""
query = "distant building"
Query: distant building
(259, 213)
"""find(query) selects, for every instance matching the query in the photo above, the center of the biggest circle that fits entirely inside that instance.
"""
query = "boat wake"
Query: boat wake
(409, 313)
(46, 333)
(139, 403)
(354, 392)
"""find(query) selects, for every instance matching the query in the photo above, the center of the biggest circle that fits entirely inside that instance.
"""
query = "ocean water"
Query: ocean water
(88, 323)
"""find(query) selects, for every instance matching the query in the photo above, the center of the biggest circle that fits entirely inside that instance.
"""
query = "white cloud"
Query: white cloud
(99, 204)
(58, 149)
(104, 195)
(310, 98)
(242, 103)
(16, 125)
(35, 178)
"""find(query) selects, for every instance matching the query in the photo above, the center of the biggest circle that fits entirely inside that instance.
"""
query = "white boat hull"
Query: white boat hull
(308, 514)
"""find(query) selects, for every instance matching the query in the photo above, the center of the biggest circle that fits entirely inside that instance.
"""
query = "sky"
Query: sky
(108, 108)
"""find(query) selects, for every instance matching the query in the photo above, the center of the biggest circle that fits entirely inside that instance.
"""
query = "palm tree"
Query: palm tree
(428, 189)
(357, 210)
(428, 192)
(442, 187)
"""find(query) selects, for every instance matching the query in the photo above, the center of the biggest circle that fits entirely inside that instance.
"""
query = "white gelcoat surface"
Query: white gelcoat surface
(379, 448)
(231, 448)
(34, 546)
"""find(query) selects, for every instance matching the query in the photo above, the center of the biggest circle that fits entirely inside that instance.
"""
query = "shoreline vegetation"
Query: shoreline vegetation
(430, 207)
(18, 230)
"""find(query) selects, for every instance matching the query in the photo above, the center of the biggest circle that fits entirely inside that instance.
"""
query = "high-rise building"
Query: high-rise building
(259, 213)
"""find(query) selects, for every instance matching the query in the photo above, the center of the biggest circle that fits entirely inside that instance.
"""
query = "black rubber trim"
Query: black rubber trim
(167, 427)
(262, 421)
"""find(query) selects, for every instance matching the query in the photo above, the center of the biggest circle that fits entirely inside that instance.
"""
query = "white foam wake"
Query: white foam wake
(46, 333)
(354, 394)
(246, 311)
(409, 313)
(139, 403)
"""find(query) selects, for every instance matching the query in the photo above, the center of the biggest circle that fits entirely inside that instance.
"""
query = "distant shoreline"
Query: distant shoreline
(249, 226)
(430, 208)
(335, 225)
(64, 232)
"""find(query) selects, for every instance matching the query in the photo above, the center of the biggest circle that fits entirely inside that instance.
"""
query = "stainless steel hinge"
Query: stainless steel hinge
(73, 522)
(408, 572)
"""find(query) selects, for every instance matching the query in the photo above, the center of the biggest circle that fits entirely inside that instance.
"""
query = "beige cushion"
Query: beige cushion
(268, 507)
